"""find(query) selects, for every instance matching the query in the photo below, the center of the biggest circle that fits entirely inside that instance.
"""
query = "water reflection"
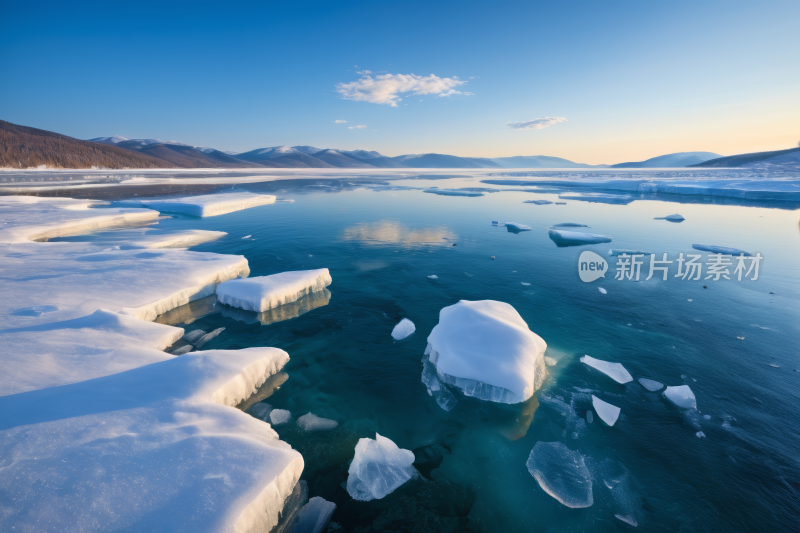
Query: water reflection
(390, 232)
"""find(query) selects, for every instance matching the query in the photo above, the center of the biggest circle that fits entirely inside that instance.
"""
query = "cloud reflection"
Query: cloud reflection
(389, 232)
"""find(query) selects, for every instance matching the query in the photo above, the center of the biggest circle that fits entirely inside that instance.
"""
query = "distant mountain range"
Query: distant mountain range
(24, 147)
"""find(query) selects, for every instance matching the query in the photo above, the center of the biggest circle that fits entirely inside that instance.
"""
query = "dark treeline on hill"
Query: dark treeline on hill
(23, 147)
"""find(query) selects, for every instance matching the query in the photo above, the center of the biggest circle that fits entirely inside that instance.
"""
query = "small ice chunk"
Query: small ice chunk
(689, 299)
(498, 224)
(576, 237)
(403, 329)
(260, 410)
(279, 416)
(537, 202)
(433, 276)
(517, 226)
(614, 252)
(246, 237)
(615, 371)
(378, 468)
(672, 218)
(707, 417)
(682, 396)
(589, 416)
(570, 225)
(602, 290)
(651, 384)
(525, 283)
(549, 361)
(608, 413)
(266, 292)
(561, 473)
(193, 336)
(700, 435)
(311, 422)
(714, 249)
(314, 516)
(183, 349)
(207, 337)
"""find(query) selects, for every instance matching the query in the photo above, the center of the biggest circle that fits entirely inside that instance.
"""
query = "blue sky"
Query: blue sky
(619, 81)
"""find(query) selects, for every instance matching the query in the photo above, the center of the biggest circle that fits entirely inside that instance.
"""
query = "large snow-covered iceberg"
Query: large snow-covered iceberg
(486, 350)
(266, 292)
(155, 448)
(562, 473)
(207, 205)
(615, 371)
(378, 468)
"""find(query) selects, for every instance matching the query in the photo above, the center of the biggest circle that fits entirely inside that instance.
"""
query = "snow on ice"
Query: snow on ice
(403, 329)
(266, 292)
(378, 468)
(615, 371)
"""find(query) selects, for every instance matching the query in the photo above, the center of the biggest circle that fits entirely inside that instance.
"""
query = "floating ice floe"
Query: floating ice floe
(575, 238)
(650, 384)
(207, 337)
(433, 276)
(700, 435)
(403, 329)
(537, 202)
(279, 416)
(525, 283)
(246, 237)
(206, 205)
(608, 413)
(589, 416)
(378, 468)
(135, 282)
(183, 350)
(266, 292)
(672, 218)
(614, 252)
(34, 218)
(719, 249)
(602, 290)
(615, 371)
(284, 312)
(570, 225)
(682, 396)
(516, 227)
(561, 473)
(171, 427)
(486, 350)
(311, 422)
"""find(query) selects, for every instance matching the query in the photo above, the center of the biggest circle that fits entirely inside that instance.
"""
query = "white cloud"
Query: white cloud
(387, 88)
(364, 72)
(340, 122)
(359, 127)
(536, 124)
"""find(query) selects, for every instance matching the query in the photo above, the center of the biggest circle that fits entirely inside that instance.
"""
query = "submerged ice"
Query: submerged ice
(378, 468)
(562, 473)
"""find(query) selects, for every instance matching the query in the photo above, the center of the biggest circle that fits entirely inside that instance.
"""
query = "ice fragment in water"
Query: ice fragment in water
(266, 292)
(575, 238)
(433, 276)
(714, 249)
(246, 237)
(183, 349)
(260, 410)
(650, 384)
(608, 413)
(614, 252)
(378, 468)
(537, 202)
(602, 290)
(487, 351)
(700, 435)
(207, 337)
(311, 422)
(403, 329)
(589, 416)
(682, 396)
(279, 416)
(549, 361)
(672, 218)
(525, 283)
(193, 336)
(561, 473)
(707, 417)
(611, 472)
(314, 516)
(615, 371)
(570, 225)
(516, 227)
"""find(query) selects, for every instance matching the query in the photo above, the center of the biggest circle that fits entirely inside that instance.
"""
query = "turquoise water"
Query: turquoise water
(381, 246)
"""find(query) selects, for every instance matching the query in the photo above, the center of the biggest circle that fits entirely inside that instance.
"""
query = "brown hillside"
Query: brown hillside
(24, 147)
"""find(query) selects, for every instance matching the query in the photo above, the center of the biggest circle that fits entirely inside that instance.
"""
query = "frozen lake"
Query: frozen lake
(733, 342)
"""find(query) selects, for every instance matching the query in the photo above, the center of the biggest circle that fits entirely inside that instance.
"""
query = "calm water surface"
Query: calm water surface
(734, 342)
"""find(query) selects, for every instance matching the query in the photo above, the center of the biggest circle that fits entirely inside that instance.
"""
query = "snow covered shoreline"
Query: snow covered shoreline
(99, 427)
